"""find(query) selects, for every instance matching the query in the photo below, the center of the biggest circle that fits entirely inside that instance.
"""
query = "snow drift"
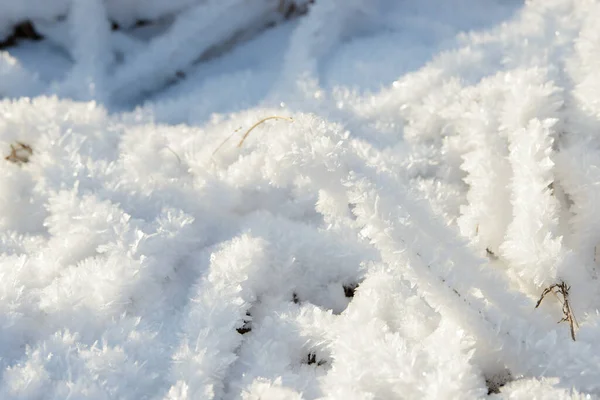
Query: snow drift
(435, 170)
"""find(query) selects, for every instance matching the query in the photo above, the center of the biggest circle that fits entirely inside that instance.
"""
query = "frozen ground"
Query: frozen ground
(441, 168)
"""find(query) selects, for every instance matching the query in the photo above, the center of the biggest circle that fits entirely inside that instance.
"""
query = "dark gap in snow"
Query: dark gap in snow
(350, 289)
(247, 324)
(23, 30)
(311, 359)
(295, 298)
(496, 381)
(142, 22)
(114, 25)
(290, 9)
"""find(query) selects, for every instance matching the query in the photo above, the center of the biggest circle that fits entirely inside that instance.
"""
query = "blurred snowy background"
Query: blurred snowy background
(421, 173)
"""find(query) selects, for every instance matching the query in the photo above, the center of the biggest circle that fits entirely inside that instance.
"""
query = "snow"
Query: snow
(418, 174)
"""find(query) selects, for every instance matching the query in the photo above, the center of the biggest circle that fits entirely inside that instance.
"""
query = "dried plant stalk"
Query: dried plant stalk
(260, 122)
(568, 316)
(250, 130)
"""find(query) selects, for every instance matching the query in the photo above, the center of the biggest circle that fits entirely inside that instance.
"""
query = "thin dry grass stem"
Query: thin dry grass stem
(249, 130)
(19, 154)
(226, 140)
(568, 316)
(260, 122)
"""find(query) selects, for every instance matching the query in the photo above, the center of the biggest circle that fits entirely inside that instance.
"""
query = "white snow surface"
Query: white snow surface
(433, 166)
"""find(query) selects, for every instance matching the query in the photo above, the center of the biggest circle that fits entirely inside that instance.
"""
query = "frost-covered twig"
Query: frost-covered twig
(216, 310)
(533, 246)
(89, 30)
(485, 217)
(327, 23)
(193, 33)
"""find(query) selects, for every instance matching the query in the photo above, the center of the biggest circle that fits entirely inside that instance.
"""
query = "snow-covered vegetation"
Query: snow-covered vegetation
(265, 199)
